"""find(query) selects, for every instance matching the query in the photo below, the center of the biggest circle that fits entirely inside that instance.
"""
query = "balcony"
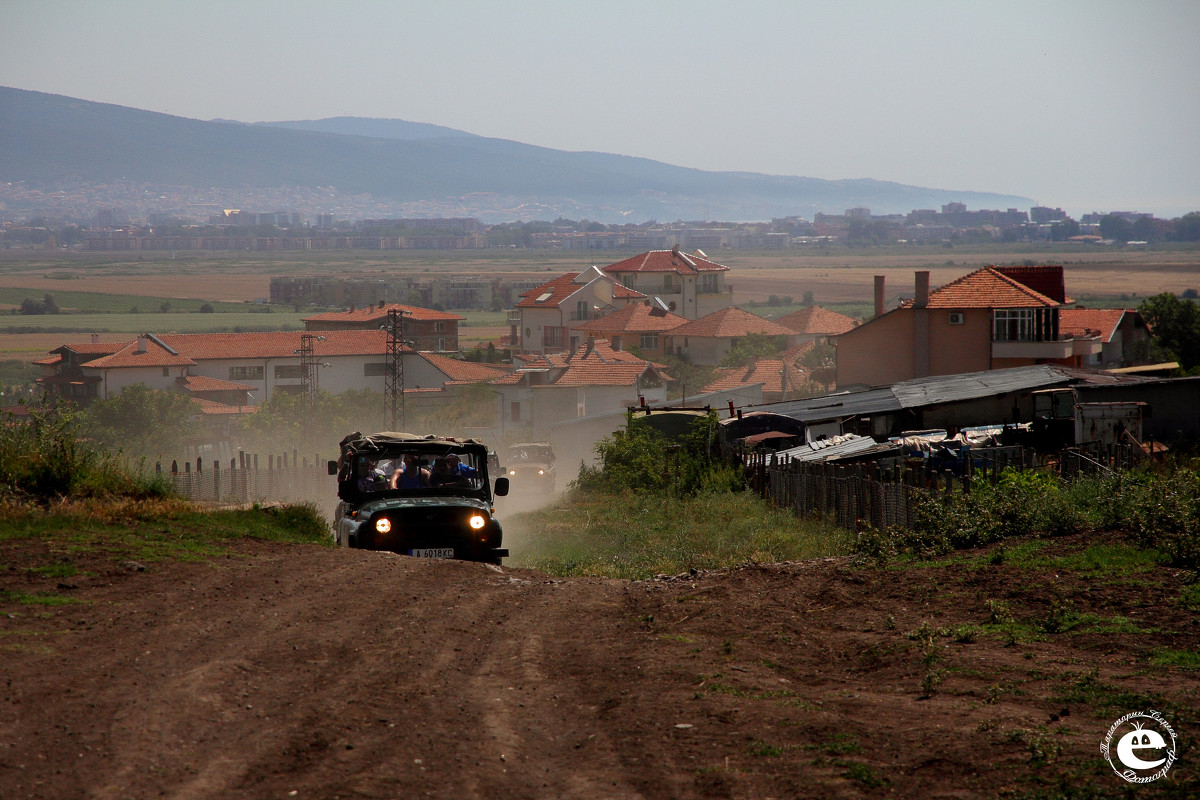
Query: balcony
(1056, 349)
(512, 318)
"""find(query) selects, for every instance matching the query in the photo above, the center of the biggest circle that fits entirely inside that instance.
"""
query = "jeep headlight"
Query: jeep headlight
(383, 525)
(477, 521)
(541, 472)
(512, 472)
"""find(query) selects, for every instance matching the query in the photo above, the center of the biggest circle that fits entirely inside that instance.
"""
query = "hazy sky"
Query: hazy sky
(1087, 105)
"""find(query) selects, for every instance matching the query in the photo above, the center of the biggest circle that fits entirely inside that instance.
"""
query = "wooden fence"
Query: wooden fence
(243, 480)
(882, 493)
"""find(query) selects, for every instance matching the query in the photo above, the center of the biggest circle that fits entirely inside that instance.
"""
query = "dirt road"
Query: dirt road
(283, 671)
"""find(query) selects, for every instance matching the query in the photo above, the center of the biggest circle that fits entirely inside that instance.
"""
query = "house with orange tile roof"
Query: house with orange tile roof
(689, 285)
(546, 317)
(992, 318)
(643, 325)
(814, 322)
(588, 381)
(779, 379)
(708, 339)
(1124, 334)
(244, 369)
(423, 328)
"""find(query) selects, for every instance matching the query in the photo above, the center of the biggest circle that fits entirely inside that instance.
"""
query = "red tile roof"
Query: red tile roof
(191, 347)
(142, 352)
(213, 408)
(1080, 322)
(665, 261)
(767, 371)
(596, 363)
(554, 292)
(817, 320)
(986, 288)
(634, 318)
(1046, 279)
(377, 313)
(731, 322)
(203, 383)
(458, 370)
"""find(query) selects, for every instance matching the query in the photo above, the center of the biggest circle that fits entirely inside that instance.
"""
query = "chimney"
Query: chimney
(352, 308)
(879, 298)
(141, 344)
(95, 338)
(381, 304)
(922, 298)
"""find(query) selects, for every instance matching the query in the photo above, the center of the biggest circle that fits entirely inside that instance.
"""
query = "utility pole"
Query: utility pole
(393, 379)
(308, 366)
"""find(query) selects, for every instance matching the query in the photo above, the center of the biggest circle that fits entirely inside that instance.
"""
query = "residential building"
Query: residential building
(238, 368)
(588, 381)
(708, 339)
(814, 322)
(779, 378)
(546, 317)
(1123, 333)
(422, 328)
(689, 285)
(644, 325)
(993, 318)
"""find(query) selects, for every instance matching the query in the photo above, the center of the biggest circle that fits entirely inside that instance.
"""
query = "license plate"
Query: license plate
(433, 552)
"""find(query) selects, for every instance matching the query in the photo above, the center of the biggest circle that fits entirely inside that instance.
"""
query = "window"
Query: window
(514, 412)
(956, 318)
(627, 280)
(246, 373)
(375, 370)
(668, 284)
(166, 372)
(1012, 325)
(616, 343)
(439, 327)
(285, 371)
(554, 336)
(709, 284)
(649, 341)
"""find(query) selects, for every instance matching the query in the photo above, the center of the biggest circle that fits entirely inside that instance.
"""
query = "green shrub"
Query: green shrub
(44, 456)
(643, 460)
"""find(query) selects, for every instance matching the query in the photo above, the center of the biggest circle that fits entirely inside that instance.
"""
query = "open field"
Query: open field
(837, 276)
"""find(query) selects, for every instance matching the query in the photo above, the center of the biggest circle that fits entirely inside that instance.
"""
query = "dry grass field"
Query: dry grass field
(833, 276)
(836, 275)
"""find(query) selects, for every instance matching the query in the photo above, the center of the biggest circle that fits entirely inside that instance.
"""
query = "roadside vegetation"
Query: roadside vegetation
(664, 506)
(64, 494)
(1154, 508)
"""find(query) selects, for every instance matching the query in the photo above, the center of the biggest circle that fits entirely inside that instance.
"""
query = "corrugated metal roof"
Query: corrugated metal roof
(921, 392)
(838, 446)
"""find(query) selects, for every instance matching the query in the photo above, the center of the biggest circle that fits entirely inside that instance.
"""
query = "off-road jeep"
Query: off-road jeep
(422, 496)
(530, 466)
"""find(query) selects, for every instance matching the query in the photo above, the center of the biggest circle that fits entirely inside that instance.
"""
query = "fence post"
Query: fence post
(216, 480)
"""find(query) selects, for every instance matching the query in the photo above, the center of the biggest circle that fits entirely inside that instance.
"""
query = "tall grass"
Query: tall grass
(44, 457)
(638, 535)
(1156, 507)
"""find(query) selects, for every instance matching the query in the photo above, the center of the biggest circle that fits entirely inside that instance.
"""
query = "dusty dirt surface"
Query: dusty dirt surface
(280, 671)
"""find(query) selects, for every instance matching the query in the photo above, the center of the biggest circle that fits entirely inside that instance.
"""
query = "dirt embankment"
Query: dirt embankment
(301, 671)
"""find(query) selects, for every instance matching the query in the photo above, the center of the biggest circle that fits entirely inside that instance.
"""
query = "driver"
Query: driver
(411, 474)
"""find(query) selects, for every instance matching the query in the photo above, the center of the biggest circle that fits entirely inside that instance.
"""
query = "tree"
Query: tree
(142, 422)
(753, 346)
(1175, 325)
(1115, 227)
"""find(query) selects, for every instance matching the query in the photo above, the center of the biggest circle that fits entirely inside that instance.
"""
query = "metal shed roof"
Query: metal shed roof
(921, 392)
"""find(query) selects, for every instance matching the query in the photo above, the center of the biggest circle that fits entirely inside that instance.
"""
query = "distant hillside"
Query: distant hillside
(57, 141)
(364, 126)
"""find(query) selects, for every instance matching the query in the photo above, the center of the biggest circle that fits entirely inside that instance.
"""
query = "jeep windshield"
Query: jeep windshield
(400, 465)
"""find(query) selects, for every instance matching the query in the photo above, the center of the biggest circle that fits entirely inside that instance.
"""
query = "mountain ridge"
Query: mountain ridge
(55, 140)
